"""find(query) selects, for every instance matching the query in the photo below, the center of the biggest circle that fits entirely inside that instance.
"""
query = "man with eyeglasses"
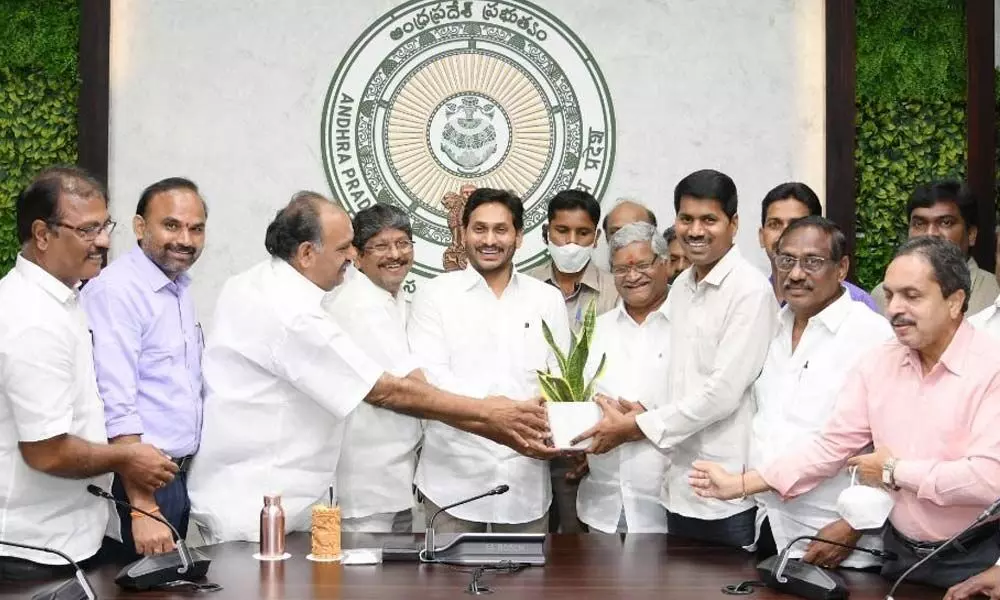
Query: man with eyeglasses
(379, 452)
(622, 491)
(53, 441)
(722, 313)
(822, 333)
(147, 353)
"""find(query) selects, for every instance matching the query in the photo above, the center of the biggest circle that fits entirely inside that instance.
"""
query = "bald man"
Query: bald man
(277, 365)
(627, 211)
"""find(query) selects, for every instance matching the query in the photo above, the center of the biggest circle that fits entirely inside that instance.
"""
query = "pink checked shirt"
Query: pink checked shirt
(943, 428)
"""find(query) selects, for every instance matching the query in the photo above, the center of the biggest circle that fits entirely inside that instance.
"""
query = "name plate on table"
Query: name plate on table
(477, 549)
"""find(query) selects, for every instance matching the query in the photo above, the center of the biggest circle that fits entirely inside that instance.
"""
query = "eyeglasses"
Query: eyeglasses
(643, 267)
(809, 264)
(91, 232)
(385, 248)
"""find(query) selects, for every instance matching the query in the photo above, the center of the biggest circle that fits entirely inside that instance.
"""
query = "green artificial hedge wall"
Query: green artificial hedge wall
(38, 93)
(911, 116)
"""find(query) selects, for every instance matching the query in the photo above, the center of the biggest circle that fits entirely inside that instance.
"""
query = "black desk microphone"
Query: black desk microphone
(427, 554)
(74, 589)
(806, 580)
(152, 571)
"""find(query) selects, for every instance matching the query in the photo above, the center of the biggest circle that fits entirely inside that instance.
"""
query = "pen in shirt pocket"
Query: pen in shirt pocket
(803, 370)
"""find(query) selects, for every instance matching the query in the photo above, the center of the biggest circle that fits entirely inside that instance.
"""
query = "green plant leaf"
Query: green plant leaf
(589, 392)
(556, 389)
(560, 357)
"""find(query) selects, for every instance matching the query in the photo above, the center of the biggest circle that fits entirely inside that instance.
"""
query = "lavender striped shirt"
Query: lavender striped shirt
(147, 353)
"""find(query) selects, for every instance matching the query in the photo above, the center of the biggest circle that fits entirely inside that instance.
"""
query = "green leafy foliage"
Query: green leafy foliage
(900, 145)
(38, 94)
(911, 70)
(910, 49)
(569, 385)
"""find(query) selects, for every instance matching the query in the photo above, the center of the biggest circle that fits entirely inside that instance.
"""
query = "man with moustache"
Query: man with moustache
(572, 234)
(147, 355)
(621, 493)
(821, 335)
(52, 436)
(677, 261)
(948, 210)
(379, 452)
(929, 401)
(722, 314)
(479, 332)
(281, 376)
(782, 205)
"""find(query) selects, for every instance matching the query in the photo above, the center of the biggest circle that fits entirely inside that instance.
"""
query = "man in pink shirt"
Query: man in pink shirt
(929, 401)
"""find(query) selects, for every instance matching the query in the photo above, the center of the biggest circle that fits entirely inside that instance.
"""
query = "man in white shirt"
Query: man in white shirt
(622, 491)
(822, 334)
(281, 377)
(379, 452)
(723, 315)
(477, 332)
(52, 438)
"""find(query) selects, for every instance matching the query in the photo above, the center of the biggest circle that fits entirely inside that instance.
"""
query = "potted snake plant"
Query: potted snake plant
(569, 407)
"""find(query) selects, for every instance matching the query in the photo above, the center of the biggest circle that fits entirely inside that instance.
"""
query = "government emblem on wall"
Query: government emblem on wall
(438, 98)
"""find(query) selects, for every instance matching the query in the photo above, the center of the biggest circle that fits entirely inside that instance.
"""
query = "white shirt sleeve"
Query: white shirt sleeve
(428, 341)
(741, 353)
(323, 362)
(382, 338)
(40, 380)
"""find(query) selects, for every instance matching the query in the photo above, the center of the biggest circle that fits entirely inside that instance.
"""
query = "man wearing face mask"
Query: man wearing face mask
(147, 354)
(821, 334)
(572, 234)
(930, 402)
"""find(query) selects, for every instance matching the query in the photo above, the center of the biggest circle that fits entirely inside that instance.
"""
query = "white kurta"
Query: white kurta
(720, 330)
(47, 388)
(378, 457)
(988, 319)
(280, 376)
(630, 477)
(796, 394)
(471, 342)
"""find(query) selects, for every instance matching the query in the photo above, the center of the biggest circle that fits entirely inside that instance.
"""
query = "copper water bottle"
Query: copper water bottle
(272, 528)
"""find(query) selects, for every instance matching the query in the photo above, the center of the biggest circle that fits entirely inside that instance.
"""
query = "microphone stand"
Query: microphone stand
(984, 516)
(427, 554)
(182, 550)
(81, 578)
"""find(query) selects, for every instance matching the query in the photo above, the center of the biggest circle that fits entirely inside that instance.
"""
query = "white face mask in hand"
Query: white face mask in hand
(570, 258)
(862, 506)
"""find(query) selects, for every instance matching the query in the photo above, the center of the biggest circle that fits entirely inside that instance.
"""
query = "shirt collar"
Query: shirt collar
(471, 278)
(973, 265)
(373, 290)
(298, 284)
(955, 355)
(590, 279)
(661, 310)
(43, 279)
(719, 272)
(155, 278)
(831, 317)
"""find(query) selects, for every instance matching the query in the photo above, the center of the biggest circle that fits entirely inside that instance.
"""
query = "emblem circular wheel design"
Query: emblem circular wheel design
(439, 95)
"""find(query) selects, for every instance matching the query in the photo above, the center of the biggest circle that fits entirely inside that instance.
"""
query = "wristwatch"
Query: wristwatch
(888, 474)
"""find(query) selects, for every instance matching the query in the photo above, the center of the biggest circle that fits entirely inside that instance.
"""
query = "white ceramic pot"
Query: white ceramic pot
(569, 419)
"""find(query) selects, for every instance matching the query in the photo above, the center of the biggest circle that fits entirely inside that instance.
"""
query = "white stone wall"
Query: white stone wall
(230, 92)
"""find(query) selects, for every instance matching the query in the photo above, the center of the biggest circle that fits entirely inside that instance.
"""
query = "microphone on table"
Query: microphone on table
(158, 569)
(74, 589)
(428, 552)
(806, 580)
(984, 516)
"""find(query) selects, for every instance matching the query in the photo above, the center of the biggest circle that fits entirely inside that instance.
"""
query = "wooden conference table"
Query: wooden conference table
(579, 567)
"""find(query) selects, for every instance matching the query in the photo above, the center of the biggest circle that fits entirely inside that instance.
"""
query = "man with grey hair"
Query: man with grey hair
(622, 491)
(929, 401)
(282, 376)
(379, 452)
(625, 211)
